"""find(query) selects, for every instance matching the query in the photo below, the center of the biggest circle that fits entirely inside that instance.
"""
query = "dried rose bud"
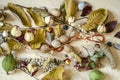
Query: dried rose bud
(29, 36)
(16, 32)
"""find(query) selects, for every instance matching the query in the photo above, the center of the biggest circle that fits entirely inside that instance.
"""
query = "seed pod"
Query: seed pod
(8, 63)
(20, 13)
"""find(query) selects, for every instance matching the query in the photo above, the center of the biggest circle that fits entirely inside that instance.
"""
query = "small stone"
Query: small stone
(109, 44)
(117, 46)
(82, 4)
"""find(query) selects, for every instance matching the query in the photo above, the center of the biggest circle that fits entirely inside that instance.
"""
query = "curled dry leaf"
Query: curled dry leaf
(38, 19)
(95, 18)
(38, 39)
(58, 31)
(110, 26)
(86, 10)
(6, 27)
(70, 8)
(14, 44)
(20, 13)
(56, 74)
(117, 34)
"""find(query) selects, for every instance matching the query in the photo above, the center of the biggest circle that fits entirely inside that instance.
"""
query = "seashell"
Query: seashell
(5, 34)
(49, 20)
(55, 12)
(63, 38)
(101, 29)
(44, 48)
(117, 46)
(56, 43)
(68, 48)
(82, 4)
(29, 36)
(16, 32)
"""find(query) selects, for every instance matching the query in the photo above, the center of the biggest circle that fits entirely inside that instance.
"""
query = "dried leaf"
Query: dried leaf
(58, 31)
(86, 10)
(14, 44)
(5, 27)
(38, 19)
(20, 13)
(95, 18)
(41, 11)
(39, 38)
(70, 8)
(110, 26)
(56, 74)
(117, 34)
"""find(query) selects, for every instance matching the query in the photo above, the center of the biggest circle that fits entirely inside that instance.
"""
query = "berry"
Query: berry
(65, 27)
(109, 44)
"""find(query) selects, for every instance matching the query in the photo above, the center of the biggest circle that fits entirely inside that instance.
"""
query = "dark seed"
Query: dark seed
(65, 27)
(109, 44)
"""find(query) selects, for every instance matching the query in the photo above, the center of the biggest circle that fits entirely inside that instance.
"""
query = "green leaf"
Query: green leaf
(13, 44)
(95, 18)
(70, 8)
(38, 19)
(5, 27)
(39, 39)
(20, 13)
(56, 74)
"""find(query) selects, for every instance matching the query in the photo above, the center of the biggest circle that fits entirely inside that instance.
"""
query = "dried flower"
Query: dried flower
(101, 29)
(71, 19)
(49, 20)
(16, 32)
(29, 36)
(5, 34)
